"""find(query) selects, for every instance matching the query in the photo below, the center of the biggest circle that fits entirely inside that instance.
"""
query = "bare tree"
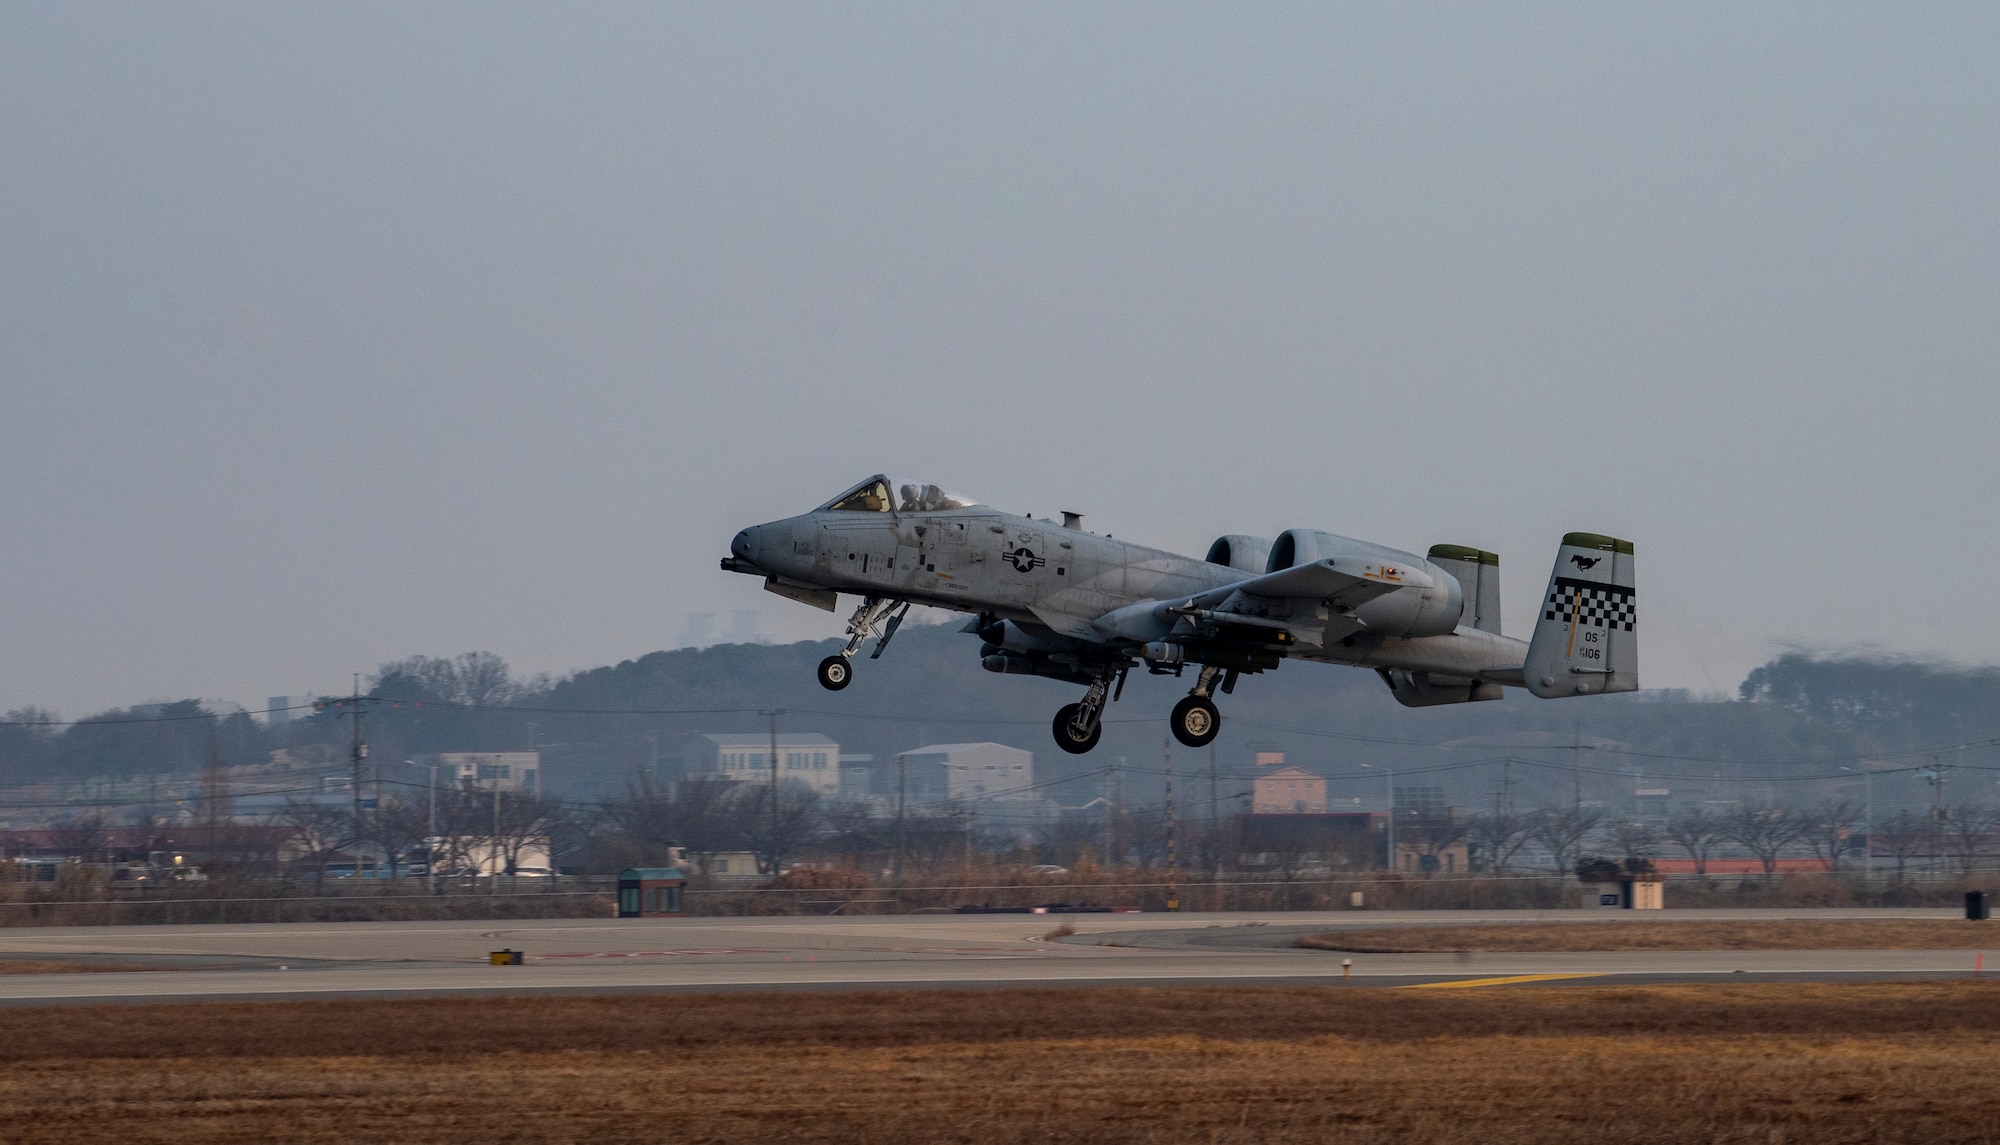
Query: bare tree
(1826, 827)
(397, 827)
(1968, 830)
(523, 820)
(1065, 839)
(779, 837)
(1431, 836)
(1142, 834)
(1563, 830)
(1764, 829)
(931, 836)
(855, 833)
(79, 837)
(484, 680)
(1906, 837)
(1634, 838)
(1498, 837)
(315, 833)
(1695, 832)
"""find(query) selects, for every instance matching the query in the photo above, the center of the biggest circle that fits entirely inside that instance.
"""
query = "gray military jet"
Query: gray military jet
(1059, 601)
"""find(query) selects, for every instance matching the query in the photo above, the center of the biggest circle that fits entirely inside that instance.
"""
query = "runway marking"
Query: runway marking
(644, 953)
(1463, 983)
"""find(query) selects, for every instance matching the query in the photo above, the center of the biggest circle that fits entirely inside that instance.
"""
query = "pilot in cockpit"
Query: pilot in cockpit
(910, 501)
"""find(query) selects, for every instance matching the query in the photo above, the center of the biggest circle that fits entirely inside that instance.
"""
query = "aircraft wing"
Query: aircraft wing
(1343, 582)
(1279, 600)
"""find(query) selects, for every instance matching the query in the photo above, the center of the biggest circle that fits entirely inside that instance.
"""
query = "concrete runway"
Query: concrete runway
(325, 960)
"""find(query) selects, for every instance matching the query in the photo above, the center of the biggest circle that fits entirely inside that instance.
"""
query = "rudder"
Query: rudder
(1586, 637)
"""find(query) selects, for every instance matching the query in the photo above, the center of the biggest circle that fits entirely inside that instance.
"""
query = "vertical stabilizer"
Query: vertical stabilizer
(1478, 573)
(1587, 633)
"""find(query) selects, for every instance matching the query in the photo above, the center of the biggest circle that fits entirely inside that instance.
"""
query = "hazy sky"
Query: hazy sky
(335, 333)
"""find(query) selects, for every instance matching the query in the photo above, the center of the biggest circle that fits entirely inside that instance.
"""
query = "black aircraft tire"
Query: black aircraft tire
(1195, 721)
(1065, 741)
(835, 673)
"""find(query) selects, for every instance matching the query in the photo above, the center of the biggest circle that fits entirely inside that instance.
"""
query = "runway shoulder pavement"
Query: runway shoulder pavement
(328, 960)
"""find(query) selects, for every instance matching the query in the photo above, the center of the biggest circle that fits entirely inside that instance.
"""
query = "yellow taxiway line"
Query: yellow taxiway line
(1463, 983)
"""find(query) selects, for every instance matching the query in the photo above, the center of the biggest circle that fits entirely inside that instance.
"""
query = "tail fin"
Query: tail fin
(1586, 635)
(1478, 573)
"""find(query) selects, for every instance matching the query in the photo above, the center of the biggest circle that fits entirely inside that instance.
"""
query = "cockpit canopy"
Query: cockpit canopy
(872, 496)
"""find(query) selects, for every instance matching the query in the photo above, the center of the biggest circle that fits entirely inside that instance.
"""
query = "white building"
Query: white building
(487, 770)
(807, 757)
(968, 772)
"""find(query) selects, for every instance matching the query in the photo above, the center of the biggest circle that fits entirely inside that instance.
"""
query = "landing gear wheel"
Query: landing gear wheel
(835, 673)
(1195, 721)
(1065, 729)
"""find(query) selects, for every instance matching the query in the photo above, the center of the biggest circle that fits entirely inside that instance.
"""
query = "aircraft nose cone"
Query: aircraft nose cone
(744, 547)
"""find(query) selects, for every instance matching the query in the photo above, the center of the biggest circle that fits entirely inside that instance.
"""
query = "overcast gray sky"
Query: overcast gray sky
(335, 333)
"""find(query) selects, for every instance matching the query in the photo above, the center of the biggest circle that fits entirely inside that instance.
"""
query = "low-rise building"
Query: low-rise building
(805, 757)
(964, 773)
(488, 770)
(1288, 790)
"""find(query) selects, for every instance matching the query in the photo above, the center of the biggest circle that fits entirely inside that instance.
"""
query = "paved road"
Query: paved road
(606, 956)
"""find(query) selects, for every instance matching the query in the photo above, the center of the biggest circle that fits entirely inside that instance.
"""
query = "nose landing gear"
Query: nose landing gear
(837, 671)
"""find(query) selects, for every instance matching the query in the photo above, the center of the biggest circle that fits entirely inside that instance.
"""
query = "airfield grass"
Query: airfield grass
(1783, 934)
(1904, 1062)
(60, 966)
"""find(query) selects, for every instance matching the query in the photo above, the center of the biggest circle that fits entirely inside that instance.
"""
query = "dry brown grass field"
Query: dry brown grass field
(1535, 938)
(40, 966)
(1729, 1063)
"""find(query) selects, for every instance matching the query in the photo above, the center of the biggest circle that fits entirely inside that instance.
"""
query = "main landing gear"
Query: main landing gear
(837, 671)
(1195, 720)
(1079, 726)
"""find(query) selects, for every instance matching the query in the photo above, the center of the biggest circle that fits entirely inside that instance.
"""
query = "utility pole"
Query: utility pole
(430, 841)
(776, 822)
(1389, 854)
(1110, 774)
(1214, 791)
(902, 795)
(1576, 763)
(1506, 806)
(1173, 876)
(497, 865)
(1935, 777)
(357, 753)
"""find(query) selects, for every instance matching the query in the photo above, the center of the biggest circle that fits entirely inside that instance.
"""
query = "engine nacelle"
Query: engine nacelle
(1423, 690)
(1408, 611)
(1242, 553)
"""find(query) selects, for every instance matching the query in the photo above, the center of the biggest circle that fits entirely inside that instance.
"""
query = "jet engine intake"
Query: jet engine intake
(1242, 553)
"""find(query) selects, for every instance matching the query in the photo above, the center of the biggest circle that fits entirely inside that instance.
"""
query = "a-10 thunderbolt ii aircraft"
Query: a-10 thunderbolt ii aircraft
(1056, 600)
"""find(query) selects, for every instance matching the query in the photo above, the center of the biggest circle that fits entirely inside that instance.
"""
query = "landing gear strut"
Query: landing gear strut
(836, 672)
(1079, 726)
(1195, 720)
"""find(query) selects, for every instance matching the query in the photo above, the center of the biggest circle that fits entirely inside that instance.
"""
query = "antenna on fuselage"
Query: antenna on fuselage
(1072, 520)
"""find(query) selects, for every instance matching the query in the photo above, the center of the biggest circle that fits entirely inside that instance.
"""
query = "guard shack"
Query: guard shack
(1626, 893)
(650, 892)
